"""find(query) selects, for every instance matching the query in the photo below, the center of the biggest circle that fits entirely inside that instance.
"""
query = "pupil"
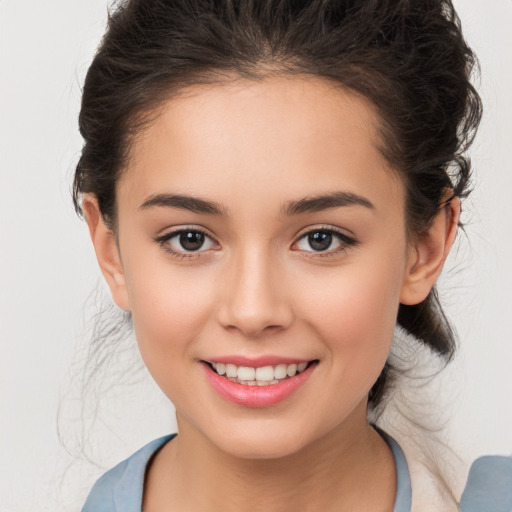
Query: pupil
(191, 240)
(320, 241)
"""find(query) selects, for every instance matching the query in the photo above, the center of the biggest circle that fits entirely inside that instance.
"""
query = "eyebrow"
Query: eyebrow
(193, 204)
(305, 205)
(325, 202)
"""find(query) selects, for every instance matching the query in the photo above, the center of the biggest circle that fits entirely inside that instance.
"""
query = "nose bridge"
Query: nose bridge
(254, 300)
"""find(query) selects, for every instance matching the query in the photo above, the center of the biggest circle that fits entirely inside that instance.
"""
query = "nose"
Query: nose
(254, 295)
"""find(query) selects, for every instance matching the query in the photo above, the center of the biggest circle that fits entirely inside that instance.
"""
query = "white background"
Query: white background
(48, 269)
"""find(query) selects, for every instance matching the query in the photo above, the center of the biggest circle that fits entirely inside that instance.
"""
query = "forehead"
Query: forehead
(275, 136)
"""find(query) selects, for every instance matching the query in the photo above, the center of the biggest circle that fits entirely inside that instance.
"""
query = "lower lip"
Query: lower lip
(257, 396)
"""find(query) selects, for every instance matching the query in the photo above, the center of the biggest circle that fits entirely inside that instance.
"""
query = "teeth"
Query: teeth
(280, 371)
(266, 373)
(246, 373)
(231, 370)
(291, 370)
(263, 376)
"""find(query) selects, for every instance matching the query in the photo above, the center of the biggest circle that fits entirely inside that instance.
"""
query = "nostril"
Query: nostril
(254, 329)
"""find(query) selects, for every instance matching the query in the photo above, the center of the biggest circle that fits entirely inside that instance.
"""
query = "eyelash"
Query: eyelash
(183, 255)
(344, 240)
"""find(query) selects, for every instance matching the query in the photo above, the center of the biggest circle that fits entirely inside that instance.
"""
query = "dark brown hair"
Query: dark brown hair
(408, 57)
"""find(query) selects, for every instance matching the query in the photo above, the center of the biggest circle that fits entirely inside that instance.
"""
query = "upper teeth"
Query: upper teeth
(263, 374)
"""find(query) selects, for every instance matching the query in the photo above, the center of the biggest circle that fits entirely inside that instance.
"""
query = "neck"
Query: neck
(352, 468)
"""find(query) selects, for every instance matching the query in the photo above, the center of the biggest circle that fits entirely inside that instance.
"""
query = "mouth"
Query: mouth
(258, 386)
(259, 376)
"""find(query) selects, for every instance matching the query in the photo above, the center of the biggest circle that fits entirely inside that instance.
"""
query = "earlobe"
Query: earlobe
(428, 254)
(107, 251)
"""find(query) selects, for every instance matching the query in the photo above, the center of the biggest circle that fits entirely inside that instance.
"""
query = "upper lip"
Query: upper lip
(257, 362)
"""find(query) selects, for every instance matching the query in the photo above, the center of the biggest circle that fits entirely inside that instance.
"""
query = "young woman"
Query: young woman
(271, 188)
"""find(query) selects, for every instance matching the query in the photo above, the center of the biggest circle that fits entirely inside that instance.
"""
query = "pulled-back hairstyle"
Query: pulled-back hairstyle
(407, 57)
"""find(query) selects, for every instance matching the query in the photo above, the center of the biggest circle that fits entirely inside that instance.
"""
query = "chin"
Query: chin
(260, 449)
(262, 441)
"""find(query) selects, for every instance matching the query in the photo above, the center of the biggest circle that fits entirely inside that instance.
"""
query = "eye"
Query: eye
(186, 241)
(323, 241)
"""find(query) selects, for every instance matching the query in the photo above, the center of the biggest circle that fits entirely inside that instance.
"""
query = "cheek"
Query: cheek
(169, 308)
(358, 307)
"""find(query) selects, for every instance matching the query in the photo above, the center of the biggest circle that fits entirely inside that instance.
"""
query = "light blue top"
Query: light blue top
(488, 489)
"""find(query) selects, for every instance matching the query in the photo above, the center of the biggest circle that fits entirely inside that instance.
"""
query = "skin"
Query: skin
(256, 288)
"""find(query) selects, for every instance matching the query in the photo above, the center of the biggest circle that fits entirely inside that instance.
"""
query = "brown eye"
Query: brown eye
(320, 240)
(191, 240)
(186, 241)
(328, 241)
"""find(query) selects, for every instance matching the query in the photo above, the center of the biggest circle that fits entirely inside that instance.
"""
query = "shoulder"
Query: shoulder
(489, 486)
(120, 489)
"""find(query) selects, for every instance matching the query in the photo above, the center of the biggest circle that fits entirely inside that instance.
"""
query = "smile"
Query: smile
(257, 386)
(261, 376)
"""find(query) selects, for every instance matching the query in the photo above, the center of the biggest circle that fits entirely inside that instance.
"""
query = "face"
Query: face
(259, 226)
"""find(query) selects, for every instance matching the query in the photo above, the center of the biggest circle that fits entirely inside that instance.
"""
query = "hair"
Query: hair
(407, 57)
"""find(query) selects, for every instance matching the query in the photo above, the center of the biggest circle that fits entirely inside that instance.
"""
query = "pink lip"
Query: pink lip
(256, 396)
(256, 362)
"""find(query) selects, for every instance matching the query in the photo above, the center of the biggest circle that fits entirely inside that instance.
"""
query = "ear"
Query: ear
(107, 251)
(428, 254)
